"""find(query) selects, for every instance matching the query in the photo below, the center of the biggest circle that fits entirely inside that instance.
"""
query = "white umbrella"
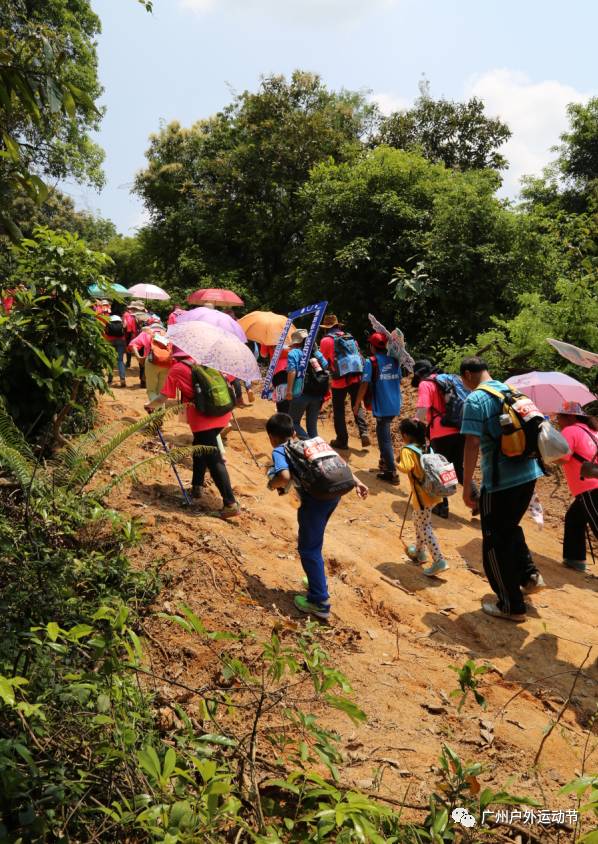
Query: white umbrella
(148, 291)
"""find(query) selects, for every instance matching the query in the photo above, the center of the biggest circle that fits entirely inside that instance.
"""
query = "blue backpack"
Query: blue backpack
(454, 392)
(347, 357)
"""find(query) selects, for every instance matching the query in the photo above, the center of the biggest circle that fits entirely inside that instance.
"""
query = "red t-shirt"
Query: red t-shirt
(431, 399)
(179, 380)
(327, 349)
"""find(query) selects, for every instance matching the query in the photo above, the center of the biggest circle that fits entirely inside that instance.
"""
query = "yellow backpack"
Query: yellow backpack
(520, 422)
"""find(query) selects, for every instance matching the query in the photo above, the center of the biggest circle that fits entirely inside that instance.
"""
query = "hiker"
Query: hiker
(142, 317)
(581, 472)
(313, 514)
(153, 347)
(305, 395)
(131, 331)
(114, 333)
(205, 429)
(440, 399)
(507, 488)
(413, 432)
(382, 377)
(279, 377)
(346, 368)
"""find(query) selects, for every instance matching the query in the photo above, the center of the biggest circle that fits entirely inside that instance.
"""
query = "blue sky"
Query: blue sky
(526, 59)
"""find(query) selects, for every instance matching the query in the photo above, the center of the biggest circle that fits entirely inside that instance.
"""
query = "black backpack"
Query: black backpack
(318, 469)
(454, 394)
(316, 383)
(116, 329)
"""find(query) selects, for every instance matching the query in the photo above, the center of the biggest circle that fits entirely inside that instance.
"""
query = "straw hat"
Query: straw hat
(298, 337)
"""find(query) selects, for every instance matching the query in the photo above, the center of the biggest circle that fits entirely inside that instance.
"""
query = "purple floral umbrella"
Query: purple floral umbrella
(212, 346)
(215, 318)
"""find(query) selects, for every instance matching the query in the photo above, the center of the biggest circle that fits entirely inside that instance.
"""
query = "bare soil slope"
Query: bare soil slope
(394, 632)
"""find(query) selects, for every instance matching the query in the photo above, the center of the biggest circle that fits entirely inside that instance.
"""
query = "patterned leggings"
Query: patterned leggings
(424, 532)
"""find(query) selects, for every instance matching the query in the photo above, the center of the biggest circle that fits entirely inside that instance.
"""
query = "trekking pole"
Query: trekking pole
(186, 498)
(245, 443)
(589, 535)
(404, 520)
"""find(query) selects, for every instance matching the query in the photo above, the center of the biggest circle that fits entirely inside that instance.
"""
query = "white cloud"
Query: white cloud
(306, 12)
(387, 103)
(534, 111)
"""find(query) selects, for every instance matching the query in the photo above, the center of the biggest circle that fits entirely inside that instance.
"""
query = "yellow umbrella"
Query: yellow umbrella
(264, 326)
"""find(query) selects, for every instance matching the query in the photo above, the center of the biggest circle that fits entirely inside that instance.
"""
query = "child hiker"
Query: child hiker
(413, 433)
(314, 512)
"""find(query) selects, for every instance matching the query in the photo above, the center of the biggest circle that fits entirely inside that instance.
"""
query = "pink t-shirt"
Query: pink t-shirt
(430, 399)
(584, 442)
(142, 341)
(179, 380)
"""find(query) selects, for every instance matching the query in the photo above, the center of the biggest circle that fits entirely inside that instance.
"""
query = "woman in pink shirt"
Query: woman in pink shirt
(580, 469)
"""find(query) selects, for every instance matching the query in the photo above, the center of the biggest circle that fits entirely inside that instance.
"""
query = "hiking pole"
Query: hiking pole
(186, 498)
(245, 443)
(589, 535)
(404, 520)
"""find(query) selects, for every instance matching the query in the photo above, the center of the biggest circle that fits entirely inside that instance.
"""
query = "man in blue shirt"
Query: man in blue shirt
(382, 374)
(507, 487)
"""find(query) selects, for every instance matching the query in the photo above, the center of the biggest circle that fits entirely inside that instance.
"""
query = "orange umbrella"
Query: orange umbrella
(264, 326)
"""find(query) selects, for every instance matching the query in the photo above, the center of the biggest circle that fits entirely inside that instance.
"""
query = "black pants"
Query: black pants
(583, 512)
(508, 563)
(339, 396)
(214, 463)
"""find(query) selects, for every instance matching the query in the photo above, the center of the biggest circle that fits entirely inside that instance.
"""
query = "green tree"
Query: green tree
(460, 135)
(48, 88)
(579, 150)
(456, 252)
(52, 353)
(224, 195)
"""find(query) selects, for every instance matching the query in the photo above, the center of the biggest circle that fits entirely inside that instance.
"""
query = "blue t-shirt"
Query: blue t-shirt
(293, 362)
(480, 418)
(279, 458)
(386, 400)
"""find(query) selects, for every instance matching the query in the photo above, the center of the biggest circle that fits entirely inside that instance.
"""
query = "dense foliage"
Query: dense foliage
(52, 355)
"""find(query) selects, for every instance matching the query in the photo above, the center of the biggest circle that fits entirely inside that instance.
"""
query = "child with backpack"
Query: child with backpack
(306, 394)
(321, 478)
(413, 433)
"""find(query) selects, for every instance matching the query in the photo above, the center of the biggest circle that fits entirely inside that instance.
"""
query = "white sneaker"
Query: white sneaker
(535, 584)
(492, 609)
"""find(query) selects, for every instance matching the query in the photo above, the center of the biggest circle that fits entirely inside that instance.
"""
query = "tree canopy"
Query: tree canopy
(460, 135)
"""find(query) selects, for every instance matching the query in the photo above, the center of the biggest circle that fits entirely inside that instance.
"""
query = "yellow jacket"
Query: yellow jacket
(410, 465)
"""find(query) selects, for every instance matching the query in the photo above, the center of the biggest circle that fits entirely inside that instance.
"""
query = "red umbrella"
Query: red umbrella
(216, 297)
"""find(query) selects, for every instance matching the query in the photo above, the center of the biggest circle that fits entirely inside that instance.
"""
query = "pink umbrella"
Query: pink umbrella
(217, 318)
(548, 390)
(148, 291)
(212, 346)
(215, 296)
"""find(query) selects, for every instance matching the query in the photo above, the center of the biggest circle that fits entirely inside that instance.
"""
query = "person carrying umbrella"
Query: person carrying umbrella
(205, 430)
(581, 472)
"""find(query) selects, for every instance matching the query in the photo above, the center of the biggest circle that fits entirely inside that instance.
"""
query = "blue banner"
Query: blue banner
(318, 311)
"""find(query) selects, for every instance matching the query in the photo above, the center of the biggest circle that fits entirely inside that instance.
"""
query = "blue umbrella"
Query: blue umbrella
(104, 292)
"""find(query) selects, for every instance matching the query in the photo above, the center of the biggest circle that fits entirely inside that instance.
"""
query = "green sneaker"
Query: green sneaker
(415, 555)
(305, 606)
(435, 568)
(576, 565)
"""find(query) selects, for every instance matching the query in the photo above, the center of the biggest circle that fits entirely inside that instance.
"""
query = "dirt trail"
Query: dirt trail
(395, 642)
